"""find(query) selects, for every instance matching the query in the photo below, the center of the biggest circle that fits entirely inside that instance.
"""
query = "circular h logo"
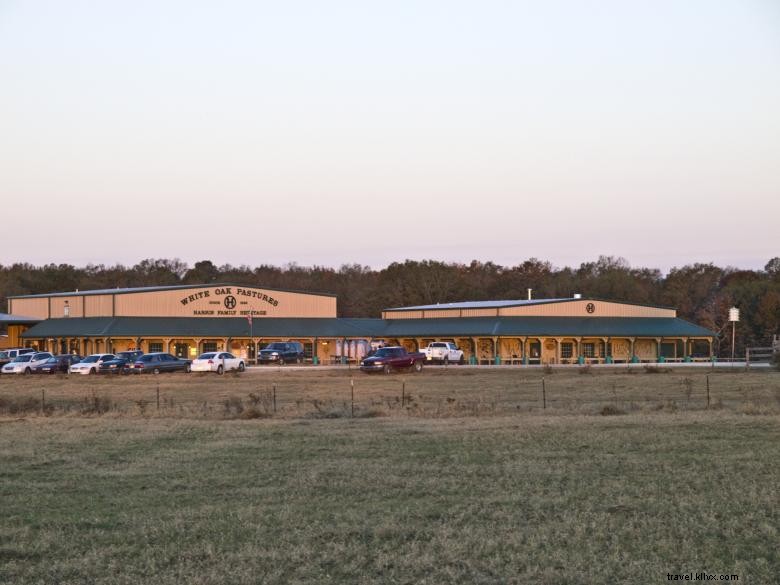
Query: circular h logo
(230, 302)
(590, 307)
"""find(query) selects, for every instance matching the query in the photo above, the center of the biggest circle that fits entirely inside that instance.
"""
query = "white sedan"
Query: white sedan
(91, 363)
(217, 361)
(26, 363)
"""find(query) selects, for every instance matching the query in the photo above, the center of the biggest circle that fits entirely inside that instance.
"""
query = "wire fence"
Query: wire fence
(455, 394)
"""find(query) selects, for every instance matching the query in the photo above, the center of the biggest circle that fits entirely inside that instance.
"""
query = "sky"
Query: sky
(330, 133)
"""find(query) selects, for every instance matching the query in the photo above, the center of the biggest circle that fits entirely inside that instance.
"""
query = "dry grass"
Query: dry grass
(436, 393)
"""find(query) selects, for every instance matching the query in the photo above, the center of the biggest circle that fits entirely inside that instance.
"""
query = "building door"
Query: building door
(181, 350)
(535, 352)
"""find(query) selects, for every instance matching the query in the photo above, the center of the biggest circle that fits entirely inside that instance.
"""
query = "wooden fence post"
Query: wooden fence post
(158, 397)
(544, 395)
(708, 391)
(43, 401)
(403, 393)
(274, 398)
(352, 391)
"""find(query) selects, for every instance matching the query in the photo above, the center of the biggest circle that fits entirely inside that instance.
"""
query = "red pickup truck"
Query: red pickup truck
(387, 359)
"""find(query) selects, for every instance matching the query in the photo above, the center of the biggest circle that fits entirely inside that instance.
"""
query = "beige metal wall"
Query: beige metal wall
(38, 308)
(579, 308)
(573, 308)
(218, 301)
(98, 306)
(215, 301)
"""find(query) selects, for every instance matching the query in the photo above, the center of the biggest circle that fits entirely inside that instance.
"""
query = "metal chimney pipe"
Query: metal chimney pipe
(529, 294)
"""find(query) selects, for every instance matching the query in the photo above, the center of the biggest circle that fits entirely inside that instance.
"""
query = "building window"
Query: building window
(209, 346)
(589, 350)
(155, 346)
(567, 350)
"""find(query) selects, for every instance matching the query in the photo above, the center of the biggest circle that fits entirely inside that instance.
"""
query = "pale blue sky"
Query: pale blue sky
(339, 132)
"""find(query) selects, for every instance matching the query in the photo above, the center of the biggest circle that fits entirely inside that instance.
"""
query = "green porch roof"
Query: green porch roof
(205, 327)
(6, 319)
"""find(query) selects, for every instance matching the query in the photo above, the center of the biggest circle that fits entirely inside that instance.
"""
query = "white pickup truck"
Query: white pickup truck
(444, 352)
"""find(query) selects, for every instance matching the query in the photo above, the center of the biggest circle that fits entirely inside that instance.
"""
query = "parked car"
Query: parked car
(387, 359)
(444, 352)
(91, 363)
(25, 363)
(131, 355)
(117, 365)
(9, 355)
(58, 364)
(282, 352)
(217, 361)
(155, 363)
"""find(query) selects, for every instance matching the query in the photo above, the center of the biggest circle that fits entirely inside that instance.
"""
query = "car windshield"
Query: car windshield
(385, 352)
(276, 346)
(90, 359)
(206, 356)
(126, 354)
(3, 355)
(52, 360)
(24, 358)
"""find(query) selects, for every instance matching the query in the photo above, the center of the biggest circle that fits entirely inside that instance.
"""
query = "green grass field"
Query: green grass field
(496, 495)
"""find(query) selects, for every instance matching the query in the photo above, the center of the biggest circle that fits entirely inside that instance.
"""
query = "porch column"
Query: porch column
(709, 340)
(495, 349)
(658, 348)
(686, 351)
(558, 341)
(631, 340)
(475, 345)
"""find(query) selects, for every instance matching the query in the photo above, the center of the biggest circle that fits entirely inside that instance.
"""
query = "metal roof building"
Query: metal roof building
(189, 319)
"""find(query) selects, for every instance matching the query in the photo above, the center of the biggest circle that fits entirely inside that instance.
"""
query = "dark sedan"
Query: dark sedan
(130, 355)
(156, 363)
(118, 365)
(59, 364)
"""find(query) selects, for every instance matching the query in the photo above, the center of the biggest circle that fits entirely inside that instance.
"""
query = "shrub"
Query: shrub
(650, 369)
(233, 406)
(610, 410)
(95, 404)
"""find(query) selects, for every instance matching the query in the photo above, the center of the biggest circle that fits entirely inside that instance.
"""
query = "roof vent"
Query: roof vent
(577, 296)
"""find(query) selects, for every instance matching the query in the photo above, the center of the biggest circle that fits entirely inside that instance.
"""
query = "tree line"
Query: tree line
(701, 292)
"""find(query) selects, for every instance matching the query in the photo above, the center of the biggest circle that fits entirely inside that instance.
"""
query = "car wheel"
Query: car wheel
(462, 360)
(28, 371)
(386, 369)
(418, 366)
(220, 370)
(156, 371)
(241, 366)
(281, 361)
(92, 372)
(446, 361)
(187, 369)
